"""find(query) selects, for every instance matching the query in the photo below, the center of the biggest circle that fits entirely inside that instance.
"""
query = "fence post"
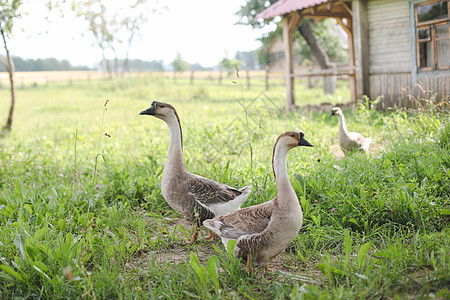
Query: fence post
(248, 78)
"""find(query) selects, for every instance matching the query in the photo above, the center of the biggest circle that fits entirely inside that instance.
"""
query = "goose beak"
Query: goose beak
(305, 143)
(332, 113)
(149, 111)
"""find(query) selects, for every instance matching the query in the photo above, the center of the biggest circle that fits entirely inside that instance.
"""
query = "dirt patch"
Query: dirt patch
(284, 265)
(336, 150)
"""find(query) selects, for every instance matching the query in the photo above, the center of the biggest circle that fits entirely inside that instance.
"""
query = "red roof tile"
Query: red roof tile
(286, 6)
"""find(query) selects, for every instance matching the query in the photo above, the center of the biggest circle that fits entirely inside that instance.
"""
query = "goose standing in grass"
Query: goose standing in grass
(265, 230)
(349, 141)
(196, 197)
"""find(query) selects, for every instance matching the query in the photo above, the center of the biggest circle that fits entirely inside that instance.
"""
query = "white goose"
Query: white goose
(263, 231)
(196, 197)
(349, 141)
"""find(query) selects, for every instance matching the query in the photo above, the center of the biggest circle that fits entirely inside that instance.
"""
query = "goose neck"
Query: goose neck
(279, 163)
(342, 126)
(287, 199)
(175, 156)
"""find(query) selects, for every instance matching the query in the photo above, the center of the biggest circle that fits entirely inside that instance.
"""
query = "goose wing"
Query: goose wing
(357, 139)
(246, 221)
(208, 192)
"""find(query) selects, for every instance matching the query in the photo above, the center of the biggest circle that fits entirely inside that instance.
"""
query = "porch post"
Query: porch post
(287, 39)
(361, 47)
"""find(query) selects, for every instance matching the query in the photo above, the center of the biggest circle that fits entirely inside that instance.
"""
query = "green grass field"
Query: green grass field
(82, 216)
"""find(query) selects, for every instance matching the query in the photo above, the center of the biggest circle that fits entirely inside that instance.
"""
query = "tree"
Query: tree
(94, 12)
(179, 65)
(132, 25)
(9, 12)
(310, 32)
(304, 27)
(229, 65)
(112, 25)
(133, 21)
(264, 55)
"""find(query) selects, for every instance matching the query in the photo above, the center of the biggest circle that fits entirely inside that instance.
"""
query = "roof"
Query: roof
(282, 7)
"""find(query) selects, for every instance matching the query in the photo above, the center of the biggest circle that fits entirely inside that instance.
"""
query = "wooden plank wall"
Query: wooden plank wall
(431, 88)
(392, 87)
(389, 36)
(390, 52)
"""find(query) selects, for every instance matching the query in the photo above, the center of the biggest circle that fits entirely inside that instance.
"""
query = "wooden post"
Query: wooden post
(287, 39)
(361, 47)
(247, 73)
(352, 78)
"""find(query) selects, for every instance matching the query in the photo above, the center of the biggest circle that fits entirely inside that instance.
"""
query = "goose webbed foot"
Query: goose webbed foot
(266, 269)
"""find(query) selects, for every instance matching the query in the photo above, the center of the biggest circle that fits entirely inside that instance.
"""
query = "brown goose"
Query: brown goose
(263, 231)
(196, 197)
(349, 141)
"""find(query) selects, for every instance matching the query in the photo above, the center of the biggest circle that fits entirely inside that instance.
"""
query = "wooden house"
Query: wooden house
(399, 49)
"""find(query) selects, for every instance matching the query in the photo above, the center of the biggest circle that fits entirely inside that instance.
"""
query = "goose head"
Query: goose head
(285, 142)
(160, 110)
(336, 111)
(292, 139)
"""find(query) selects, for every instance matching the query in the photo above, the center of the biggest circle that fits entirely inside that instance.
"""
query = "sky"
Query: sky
(202, 31)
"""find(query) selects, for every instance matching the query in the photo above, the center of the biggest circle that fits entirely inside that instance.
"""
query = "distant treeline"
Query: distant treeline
(53, 64)
(44, 64)
(248, 59)
(137, 65)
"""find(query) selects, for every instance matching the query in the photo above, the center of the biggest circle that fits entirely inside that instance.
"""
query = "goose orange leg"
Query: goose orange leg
(194, 236)
(211, 236)
(248, 267)
(266, 269)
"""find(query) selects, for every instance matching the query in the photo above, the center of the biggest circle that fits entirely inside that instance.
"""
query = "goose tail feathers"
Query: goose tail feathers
(246, 190)
(366, 144)
(213, 225)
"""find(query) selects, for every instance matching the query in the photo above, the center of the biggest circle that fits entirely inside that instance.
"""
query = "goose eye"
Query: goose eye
(162, 106)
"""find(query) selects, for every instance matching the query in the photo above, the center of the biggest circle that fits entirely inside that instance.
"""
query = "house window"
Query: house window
(433, 34)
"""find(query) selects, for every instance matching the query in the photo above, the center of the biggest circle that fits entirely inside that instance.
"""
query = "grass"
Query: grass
(82, 216)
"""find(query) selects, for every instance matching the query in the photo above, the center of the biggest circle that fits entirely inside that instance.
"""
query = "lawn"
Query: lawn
(82, 216)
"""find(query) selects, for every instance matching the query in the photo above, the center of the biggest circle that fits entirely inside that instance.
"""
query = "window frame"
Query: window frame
(431, 26)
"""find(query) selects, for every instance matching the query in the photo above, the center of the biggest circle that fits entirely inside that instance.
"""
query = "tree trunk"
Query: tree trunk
(329, 82)
(247, 73)
(116, 66)
(9, 66)
(104, 63)
(126, 67)
(267, 78)
(13, 98)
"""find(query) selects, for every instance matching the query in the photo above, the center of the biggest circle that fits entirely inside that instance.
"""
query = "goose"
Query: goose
(195, 197)
(349, 141)
(265, 230)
